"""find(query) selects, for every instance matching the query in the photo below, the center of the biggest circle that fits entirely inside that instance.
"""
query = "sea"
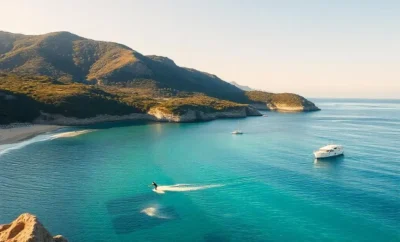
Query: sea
(93, 183)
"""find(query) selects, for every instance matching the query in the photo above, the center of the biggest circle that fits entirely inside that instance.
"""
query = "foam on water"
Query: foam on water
(183, 188)
(8, 147)
(71, 134)
(154, 212)
(43, 137)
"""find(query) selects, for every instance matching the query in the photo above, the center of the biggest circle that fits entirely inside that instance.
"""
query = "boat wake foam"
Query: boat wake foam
(183, 188)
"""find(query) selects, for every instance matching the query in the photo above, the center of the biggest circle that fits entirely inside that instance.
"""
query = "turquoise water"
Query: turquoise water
(268, 187)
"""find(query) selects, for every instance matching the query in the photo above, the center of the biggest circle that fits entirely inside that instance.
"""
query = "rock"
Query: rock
(281, 102)
(283, 107)
(194, 116)
(27, 228)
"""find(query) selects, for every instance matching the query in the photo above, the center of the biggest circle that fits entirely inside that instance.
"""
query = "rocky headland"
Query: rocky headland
(280, 102)
(75, 80)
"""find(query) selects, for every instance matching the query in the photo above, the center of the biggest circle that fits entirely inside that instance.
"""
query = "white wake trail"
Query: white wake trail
(184, 188)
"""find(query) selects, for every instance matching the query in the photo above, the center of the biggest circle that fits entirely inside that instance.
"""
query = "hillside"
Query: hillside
(39, 98)
(71, 58)
(284, 102)
(67, 75)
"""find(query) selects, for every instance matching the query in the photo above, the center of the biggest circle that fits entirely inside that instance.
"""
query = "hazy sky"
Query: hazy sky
(314, 48)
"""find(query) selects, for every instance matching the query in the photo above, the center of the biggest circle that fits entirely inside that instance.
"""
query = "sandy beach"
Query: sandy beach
(19, 132)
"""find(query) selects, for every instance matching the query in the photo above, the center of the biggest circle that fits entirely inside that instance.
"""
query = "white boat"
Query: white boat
(329, 151)
(237, 132)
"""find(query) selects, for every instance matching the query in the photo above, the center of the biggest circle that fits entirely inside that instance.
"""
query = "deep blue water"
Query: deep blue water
(268, 187)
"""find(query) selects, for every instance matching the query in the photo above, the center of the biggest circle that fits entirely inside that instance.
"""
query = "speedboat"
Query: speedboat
(237, 132)
(329, 151)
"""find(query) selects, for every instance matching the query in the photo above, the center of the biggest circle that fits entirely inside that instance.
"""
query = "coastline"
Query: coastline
(283, 108)
(17, 132)
(14, 133)
(154, 114)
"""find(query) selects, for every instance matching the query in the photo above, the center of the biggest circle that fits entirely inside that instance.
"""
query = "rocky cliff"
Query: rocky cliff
(193, 115)
(283, 107)
(27, 228)
(281, 102)
(157, 114)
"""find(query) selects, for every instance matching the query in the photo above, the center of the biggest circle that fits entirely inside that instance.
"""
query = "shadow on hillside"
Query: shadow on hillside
(16, 107)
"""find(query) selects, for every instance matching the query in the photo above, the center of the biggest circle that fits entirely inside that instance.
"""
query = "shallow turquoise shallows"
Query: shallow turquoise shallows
(263, 185)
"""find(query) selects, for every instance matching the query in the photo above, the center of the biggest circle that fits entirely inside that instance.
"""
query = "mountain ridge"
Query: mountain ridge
(71, 58)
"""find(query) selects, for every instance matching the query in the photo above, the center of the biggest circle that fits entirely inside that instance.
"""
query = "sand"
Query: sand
(16, 133)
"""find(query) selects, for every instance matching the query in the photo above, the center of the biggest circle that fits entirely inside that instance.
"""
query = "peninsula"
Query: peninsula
(63, 79)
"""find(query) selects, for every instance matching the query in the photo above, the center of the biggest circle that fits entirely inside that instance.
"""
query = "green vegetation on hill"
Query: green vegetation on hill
(15, 107)
(274, 100)
(71, 58)
(23, 98)
(198, 102)
(62, 73)
(259, 96)
(36, 94)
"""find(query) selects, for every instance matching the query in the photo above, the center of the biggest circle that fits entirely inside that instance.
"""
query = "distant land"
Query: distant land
(62, 78)
(244, 88)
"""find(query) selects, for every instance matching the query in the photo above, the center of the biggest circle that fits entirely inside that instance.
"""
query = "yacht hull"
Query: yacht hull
(321, 155)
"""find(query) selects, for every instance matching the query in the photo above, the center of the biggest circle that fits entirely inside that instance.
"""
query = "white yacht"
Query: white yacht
(237, 132)
(329, 151)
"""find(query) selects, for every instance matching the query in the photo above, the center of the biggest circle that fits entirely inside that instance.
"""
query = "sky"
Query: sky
(336, 48)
